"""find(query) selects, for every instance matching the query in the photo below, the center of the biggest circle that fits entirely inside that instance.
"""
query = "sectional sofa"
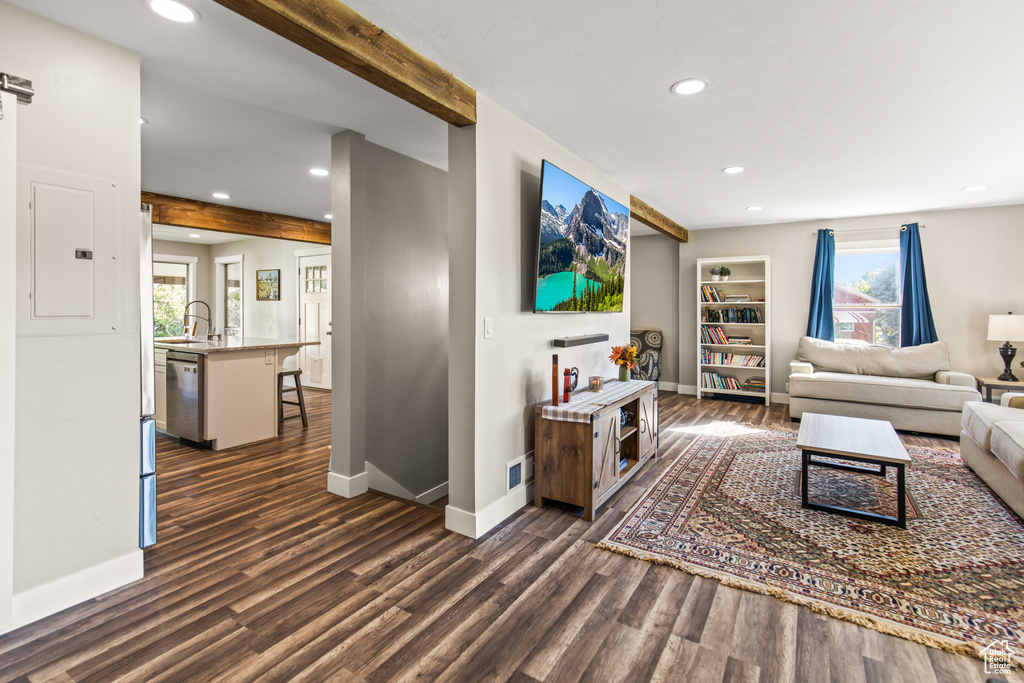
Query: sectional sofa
(992, 444)
(913, 387)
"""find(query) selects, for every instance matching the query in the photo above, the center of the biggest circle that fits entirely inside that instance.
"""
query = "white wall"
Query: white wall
(655, 297)
(77, 397)
(972, 259)
(8, 181)
(268, 319)
(494, 277)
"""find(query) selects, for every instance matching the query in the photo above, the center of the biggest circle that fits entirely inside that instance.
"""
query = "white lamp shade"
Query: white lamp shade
(1006, 328)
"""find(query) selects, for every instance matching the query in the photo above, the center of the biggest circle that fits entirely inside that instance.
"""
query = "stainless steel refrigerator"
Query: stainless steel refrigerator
(147, 429)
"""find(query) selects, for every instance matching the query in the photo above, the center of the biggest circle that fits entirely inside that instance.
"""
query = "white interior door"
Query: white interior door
(315, 282)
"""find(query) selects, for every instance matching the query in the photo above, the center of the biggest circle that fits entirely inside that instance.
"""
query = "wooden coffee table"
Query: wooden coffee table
(873, 442)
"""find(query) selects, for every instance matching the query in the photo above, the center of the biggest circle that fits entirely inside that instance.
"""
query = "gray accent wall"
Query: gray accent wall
(654, 298)
(390, 243)
(406, 261)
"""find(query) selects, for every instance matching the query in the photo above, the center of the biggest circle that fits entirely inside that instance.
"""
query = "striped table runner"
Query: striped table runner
(584, 405)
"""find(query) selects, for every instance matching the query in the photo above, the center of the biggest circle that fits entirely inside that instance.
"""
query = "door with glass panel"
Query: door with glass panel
(315, 320)
(232, 304)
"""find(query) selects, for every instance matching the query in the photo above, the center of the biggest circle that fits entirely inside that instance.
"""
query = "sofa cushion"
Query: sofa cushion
(903, 392)
(921, 362)
(979, 418)
(1008, 446)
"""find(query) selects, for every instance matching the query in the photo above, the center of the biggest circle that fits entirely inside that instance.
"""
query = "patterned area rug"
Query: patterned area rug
(729, 509)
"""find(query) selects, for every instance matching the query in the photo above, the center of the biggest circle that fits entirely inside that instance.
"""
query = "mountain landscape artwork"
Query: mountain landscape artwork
(582, 252)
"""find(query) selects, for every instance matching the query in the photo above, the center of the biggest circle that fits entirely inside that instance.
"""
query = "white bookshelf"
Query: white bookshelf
(750, 278)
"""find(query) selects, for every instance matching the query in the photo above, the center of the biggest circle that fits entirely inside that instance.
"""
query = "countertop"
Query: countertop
(229, 344)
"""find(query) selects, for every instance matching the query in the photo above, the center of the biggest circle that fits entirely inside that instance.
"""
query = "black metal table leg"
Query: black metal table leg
(806, 457)
(901, 493)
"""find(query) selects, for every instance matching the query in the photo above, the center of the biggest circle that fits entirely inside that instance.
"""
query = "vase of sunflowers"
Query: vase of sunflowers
(625, 357)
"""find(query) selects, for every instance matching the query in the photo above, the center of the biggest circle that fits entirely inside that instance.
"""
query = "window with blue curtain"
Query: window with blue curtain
(917, 325)
(871, 293)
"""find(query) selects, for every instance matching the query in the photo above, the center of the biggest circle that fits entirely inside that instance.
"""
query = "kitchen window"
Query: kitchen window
(173, 287)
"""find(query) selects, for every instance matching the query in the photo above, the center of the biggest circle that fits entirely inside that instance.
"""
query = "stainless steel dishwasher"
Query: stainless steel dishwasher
(185, 404)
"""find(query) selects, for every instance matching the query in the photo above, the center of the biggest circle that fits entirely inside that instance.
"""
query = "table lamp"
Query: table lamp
(1006, 328)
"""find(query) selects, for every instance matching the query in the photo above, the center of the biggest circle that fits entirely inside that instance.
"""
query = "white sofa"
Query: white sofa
(913, 388)
(992, 444)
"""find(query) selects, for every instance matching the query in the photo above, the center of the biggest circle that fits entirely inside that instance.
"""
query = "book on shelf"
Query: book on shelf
(711, 294)
(712, 335)
(745, 341)
(712, 380)
(735, 298)
(709, 357)
(754, 384)
(710, 315)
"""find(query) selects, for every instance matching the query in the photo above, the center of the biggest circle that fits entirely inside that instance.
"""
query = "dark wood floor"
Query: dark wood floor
(260, 574)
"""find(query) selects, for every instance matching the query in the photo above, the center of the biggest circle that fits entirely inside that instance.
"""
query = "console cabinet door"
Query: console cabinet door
(647, 423)
(606, 452)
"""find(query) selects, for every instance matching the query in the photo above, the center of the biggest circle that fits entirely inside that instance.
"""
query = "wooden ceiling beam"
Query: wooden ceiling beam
(652, 218)
(342, 36)
(189, 213)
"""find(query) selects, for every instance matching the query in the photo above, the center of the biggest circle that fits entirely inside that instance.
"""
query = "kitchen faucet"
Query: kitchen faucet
(209, 325)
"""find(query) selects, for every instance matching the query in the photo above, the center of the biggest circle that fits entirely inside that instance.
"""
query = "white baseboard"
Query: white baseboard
(778, 397)
(347, 487)
(668, 386)
(689, 389)
(50, 598)
(477, 524)
(428, 497)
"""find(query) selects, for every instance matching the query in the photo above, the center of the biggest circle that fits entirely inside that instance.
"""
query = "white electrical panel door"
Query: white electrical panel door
(70, 231)
(63, 246)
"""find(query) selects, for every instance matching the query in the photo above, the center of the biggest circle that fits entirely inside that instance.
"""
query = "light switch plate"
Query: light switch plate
(488, 328)
(268, 358)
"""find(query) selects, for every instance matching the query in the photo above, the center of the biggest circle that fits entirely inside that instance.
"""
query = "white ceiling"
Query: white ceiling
(836, 108)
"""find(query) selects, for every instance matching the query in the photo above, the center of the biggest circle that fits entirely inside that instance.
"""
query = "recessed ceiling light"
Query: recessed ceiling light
(143, 121)
(328, 216)
(689, 86)
(174, 10)
(754, 208)
(975, 188)
(222, 195)
(319, 171)
(733, 170)
(195, 235)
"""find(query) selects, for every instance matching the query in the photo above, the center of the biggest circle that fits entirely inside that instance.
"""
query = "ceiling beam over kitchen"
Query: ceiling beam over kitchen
(342, 36)
(189, 213)
(643, 212)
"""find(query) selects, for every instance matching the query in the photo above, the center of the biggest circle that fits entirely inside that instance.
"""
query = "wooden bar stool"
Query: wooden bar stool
(282, 390)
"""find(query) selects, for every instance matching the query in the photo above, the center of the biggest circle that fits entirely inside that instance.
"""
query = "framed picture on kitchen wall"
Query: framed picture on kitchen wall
(268, 285)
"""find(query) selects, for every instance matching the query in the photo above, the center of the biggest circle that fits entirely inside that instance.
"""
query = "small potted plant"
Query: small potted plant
(725, 272)
(716, 271)
(625, 357)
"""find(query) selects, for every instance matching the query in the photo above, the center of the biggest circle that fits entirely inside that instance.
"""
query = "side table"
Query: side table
(987, 384)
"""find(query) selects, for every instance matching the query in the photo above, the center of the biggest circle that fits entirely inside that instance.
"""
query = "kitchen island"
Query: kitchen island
(223, 392)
